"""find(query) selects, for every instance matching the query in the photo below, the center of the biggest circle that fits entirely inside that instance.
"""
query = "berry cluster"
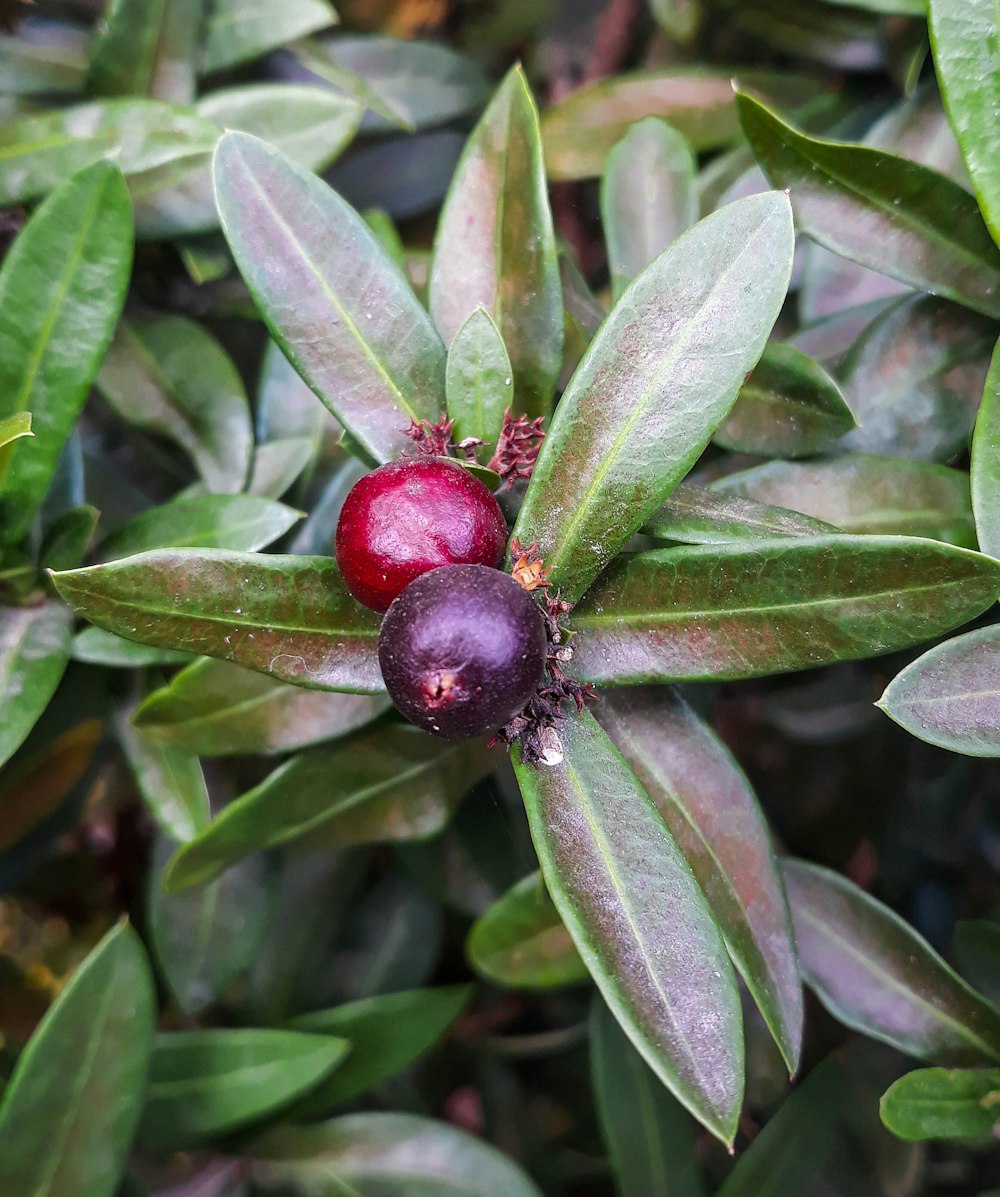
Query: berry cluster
(465, 650)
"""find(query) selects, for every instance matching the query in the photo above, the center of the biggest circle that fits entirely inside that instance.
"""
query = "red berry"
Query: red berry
(409, 517)
(462, 650)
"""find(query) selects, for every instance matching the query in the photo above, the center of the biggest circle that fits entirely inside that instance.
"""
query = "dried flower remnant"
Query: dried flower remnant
(517, 449)
(435, 440)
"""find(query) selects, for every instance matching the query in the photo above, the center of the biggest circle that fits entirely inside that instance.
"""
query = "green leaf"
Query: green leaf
(887, 496)
(147, 49)
(977, 953)
(278, 464)
(71, 1107)
(935, 1103)
(243, 522)
(635, 912)
(963, 39)
(309, 124)
(392, 1155)
(521, 942)
(657, 380)
(579, 131)
(985, 467)
(495, 245)
(736, 611)
(289, 617)
(880, 210)
(384, 784)
(788, 407)
(951, 695)
(679, 19)
(697, 515)
(12, 428)
(202, 939)
(876, 975)
(61, 291)
(649, 1136)
(386, 1033)
(43, 60)
(914, 379)
(710, 808)
(648, 197)
(214, 708)
(479, 381)
(287, 408)
(238, 30)
(34, 649)
(205, 1083)
(169, 376)
(169, 780)
(38, 153)
(94, 646)
(333, 299)
(788, 1155)
(66, 542)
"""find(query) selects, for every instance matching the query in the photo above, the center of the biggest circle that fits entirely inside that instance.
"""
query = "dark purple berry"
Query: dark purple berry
(408, 517)
(462, 650)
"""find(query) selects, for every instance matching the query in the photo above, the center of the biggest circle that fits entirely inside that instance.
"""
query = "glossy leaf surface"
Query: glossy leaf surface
(480, 381)
(94, 646)
(333, 299)
(874, 973)
(951, 695)
(648, 197)
(169, 780)
(495, 245)
(238, 30)
(520, 941)
(788, 407)
(731, 611)
(881, 210)
(384, 784)
(204, 1083)
(13, 427)
(170, 376)
(619, 881)
(148, 49)
(214, 708)
(305, 626)
(710, 808)
(657, 380)
(985, 468)
(393, 1155)
(61, 291)
(34, 649)
(75, 1138)
(937, 1103)
(387, 1033)
(697, 515)
(865, 494)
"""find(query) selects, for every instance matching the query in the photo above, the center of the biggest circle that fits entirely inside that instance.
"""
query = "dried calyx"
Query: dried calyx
(516, 452)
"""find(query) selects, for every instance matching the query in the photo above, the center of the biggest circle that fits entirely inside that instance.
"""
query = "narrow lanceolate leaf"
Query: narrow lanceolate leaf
(875, 974)
(94, 646)
(61, 291)
(13, 427)
(71, 1107)
(521, 942)
(148, 49)
(788, 407)
(639, 920)
(708, 804)
(394, 1155)
(935, 1103)
(386, 1033)
(52, 61)
(495, 246)
(697, 515)
(985, 468)
(648, 197)
(951, 695)
(656, 382)
(214, 708)
(290, 617)
(480, 382)
(169, 780)
(649, 1136)
(238, 30)
(333, 299)
(735, 611)
(205, 1083)
(963, 37)
(865, 494)
(170, 376)
(880, 210)
(34, 649)
(384, 784)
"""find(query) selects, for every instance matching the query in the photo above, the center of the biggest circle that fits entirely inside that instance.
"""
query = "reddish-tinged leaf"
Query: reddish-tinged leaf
(985, 468)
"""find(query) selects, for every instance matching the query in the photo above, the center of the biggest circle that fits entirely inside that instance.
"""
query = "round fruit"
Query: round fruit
(412, 516)
(462, 650)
